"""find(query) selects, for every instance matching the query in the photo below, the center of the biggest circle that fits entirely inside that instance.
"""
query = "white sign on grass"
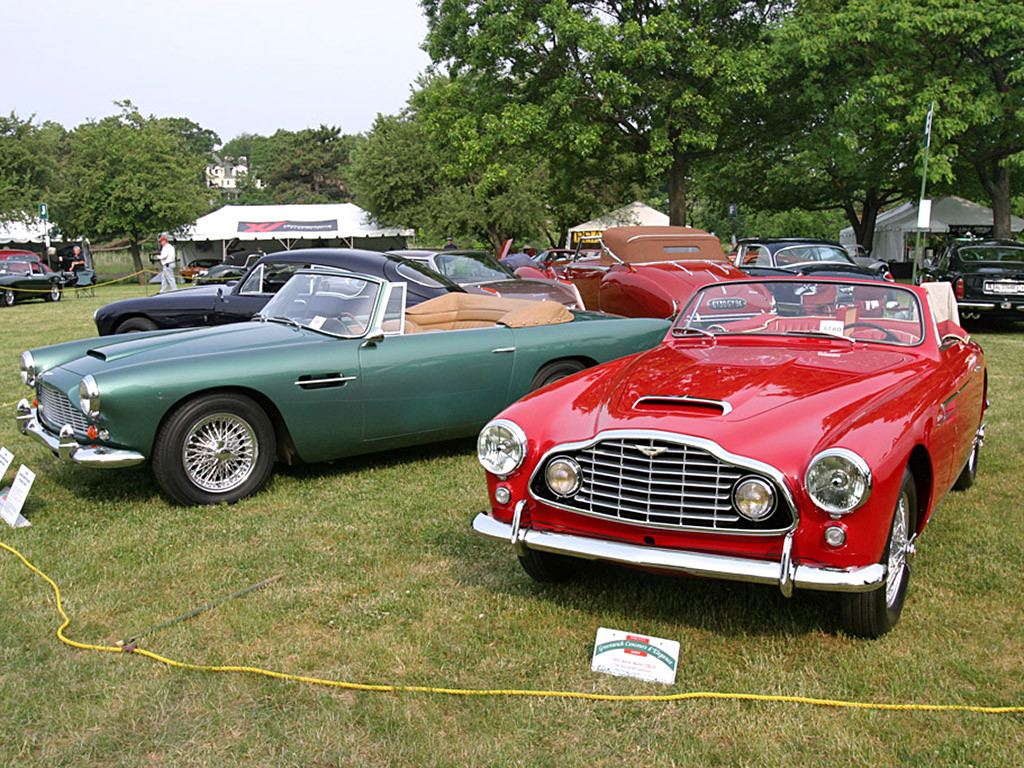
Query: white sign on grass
(13, 499)
(628, 654)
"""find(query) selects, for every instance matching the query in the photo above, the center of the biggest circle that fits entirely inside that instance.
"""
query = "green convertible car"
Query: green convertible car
(334, 365)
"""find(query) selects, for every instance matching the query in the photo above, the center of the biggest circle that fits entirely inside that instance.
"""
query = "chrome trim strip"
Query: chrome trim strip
(728, 567)
(673, 437)
(68, 449)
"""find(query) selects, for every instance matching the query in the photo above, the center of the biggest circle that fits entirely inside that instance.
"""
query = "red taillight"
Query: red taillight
(958, 288)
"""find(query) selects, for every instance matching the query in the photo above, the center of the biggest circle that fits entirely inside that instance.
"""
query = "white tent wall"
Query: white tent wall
(896, 229)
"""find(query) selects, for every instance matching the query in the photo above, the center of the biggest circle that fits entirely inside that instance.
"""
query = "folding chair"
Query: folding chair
(85, 283)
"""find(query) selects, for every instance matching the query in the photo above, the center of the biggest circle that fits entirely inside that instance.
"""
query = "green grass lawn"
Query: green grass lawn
(384, 584)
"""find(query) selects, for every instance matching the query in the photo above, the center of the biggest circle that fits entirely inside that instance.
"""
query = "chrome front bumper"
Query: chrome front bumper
(784, 573)
(69, 449)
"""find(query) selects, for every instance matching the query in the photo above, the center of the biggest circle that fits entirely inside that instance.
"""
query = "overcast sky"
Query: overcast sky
(232, 66)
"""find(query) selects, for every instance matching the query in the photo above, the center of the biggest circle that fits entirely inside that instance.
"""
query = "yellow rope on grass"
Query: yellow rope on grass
(691, 696)
(84, 287)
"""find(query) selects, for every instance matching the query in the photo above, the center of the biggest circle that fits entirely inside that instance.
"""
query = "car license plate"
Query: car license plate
(1005, 288)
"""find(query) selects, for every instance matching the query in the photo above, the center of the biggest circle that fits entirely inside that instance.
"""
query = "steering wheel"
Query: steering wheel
(888, 335)
(351, 323)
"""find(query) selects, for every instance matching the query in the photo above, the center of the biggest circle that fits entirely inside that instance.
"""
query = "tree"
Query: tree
(658, 80)
(129, 175)
(844, 116)
(29, 165)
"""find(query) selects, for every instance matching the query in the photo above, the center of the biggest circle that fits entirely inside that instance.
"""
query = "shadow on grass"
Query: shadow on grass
(628, 596)
(381, 460)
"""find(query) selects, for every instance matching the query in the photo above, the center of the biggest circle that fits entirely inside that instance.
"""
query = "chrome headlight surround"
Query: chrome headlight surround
(563, 476)
(28, 369)
(753, 498)
(501, 447)
(838, 481)
(89, 397)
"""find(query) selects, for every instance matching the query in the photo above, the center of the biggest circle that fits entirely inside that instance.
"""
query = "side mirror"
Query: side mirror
(376, 337)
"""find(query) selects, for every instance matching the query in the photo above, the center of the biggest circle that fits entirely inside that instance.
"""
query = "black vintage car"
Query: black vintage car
(987, 276)
(22, 279)
(802, 256)
(238, 301)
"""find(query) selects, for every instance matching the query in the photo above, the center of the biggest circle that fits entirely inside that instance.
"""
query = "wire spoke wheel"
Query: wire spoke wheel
(219, 452)
(900, 553)
(214, 449)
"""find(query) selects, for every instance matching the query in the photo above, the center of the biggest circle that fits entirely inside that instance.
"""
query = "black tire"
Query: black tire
(872, 614)
(970, 470)
(549, 568)
(54, 294)
(215, 449)
(7, 299)
(133, 324)
(552, 372)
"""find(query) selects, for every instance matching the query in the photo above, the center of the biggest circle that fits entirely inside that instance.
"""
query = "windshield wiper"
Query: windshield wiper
(821, 334)
(692, 329)
(282, 319)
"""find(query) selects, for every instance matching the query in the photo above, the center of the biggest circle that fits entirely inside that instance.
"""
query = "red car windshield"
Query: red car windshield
(852, 311)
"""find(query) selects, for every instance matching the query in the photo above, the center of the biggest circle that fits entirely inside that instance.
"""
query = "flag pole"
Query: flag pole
(924, 180)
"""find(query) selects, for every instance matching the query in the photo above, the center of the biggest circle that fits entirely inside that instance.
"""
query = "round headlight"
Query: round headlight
(501, 447)
(753, 498)
(28, 369)
(89, 397)
(838, 481)
(563, 476)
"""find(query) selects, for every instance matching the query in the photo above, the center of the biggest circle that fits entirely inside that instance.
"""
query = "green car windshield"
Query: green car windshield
(333, 302)
(882, 312)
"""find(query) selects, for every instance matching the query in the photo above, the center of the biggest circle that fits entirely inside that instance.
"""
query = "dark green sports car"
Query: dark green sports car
(335, 365)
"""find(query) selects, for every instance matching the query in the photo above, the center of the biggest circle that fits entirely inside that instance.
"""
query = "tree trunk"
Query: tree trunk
(137, 259)
(677, 190)
(997, 184)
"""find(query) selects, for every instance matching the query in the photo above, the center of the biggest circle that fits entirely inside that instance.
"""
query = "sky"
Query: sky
(233, 66)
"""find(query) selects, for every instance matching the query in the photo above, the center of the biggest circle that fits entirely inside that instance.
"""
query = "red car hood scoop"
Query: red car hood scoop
(693, 406)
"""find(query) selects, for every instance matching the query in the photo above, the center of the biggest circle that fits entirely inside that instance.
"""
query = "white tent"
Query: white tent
(291, 226)
(17, 231)
(896, 228)
(634, 214)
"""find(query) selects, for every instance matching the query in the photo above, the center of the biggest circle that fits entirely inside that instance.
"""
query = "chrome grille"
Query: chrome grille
(676, 486)
(55, 410)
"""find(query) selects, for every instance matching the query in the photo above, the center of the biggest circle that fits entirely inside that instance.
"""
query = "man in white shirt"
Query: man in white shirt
(167, 259)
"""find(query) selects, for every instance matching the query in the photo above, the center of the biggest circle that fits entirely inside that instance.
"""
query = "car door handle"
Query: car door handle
(502, 350)
(322, 380)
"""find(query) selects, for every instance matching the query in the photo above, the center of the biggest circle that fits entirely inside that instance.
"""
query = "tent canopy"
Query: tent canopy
(949, 214)
(18, 231)
(632, 215)
(342, 221)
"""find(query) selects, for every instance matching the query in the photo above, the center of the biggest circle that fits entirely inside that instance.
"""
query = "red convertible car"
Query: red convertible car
(805, 448)
(643, 271)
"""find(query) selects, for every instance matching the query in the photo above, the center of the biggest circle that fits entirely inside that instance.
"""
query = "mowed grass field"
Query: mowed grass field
(382, 583)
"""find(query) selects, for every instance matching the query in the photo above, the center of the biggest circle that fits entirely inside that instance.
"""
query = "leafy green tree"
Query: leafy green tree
(596, 78)
(129, 175)
(29, 165)
(842, 121)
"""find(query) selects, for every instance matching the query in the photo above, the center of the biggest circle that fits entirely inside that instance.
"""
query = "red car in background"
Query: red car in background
(801, 446)
(643, 271)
